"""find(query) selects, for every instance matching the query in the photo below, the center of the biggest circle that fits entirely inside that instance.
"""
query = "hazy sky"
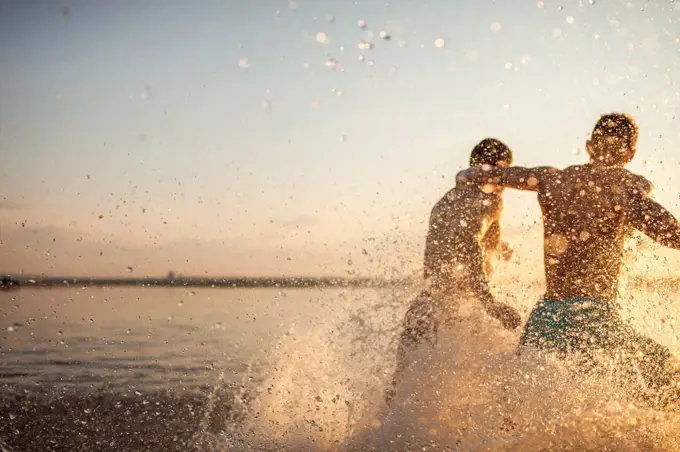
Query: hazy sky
(264, 127)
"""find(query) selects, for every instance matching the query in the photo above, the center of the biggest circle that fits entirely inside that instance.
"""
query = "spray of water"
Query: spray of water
(325, 387)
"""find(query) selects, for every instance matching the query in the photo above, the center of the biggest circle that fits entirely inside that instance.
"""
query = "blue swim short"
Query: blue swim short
(573, 324)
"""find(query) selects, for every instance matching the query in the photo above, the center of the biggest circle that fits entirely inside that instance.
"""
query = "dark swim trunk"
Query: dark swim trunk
(574, 324)
(588, 327)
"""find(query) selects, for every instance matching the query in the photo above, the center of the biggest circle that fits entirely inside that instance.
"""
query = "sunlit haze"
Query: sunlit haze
(302, 138)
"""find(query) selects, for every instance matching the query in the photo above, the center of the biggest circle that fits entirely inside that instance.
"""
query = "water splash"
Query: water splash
(324, 387)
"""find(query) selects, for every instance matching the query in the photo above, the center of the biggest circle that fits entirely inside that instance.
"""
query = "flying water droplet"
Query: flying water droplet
(361, 23)
(540, 5)
(439, 43)
(495, 27)
(322, 38)
(243, 63)
(385, 35)
(129, 269)
(332, 63)
(365, 45)
(570, 20)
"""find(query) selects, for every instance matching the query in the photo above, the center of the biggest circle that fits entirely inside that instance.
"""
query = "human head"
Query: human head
(491, 151)
(614, 140)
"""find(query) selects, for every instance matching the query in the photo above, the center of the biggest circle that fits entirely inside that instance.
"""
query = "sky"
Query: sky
(306, 137)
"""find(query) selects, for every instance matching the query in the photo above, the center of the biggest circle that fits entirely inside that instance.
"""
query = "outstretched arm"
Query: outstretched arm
(516, 177)
(652, 219)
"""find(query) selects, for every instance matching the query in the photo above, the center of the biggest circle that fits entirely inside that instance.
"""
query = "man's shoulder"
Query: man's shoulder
(446, 200)
(635, 182)
(461, 196)
(641, 183)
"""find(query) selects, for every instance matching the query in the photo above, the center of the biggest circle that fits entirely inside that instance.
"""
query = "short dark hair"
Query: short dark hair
(614, 139)
(490, 151)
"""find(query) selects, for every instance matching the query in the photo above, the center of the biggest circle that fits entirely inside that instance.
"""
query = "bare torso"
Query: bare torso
(585, 217)
(459, 225)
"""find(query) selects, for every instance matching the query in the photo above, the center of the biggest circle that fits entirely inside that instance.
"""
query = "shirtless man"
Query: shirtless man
(589, 211)
(463, 236)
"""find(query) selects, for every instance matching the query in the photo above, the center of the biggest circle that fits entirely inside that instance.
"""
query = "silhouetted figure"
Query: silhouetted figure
(463, 236)
(589, 211)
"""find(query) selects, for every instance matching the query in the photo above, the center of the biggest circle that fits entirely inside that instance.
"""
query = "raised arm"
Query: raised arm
(652, 219)
(516, 177)
(492, 239)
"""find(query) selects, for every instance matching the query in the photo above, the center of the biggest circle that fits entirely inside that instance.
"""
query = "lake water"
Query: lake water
(227, 369)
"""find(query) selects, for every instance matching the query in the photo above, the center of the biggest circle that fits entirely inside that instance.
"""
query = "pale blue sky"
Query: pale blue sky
(144, 105)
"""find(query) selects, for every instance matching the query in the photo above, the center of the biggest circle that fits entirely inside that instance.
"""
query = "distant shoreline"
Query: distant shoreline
(290, 282)
(231, 282)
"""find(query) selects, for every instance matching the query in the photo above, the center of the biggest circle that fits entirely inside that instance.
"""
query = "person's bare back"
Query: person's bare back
(463, 234)
(589, 212)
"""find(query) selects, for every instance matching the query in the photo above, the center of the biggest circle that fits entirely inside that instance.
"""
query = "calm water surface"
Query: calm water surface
(147, 337)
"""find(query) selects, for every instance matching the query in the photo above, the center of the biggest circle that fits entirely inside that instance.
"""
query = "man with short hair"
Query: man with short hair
(463, 236)
(589, 211)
